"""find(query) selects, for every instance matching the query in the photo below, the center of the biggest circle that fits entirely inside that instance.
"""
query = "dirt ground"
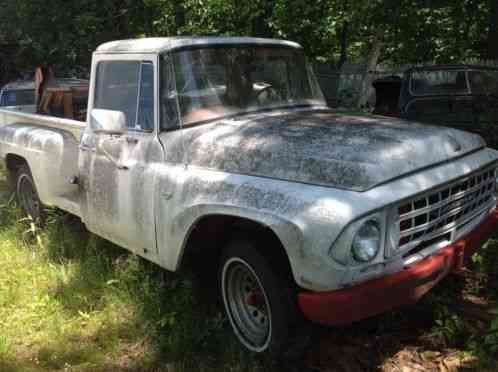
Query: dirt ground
(413, 338)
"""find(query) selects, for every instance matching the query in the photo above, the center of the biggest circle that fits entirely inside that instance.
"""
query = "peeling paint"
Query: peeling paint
(306, 173)
(324, 148)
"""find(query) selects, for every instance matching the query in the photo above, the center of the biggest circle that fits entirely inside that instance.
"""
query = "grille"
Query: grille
(446, 209)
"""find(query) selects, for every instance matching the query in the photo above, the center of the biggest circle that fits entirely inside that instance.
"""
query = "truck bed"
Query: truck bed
(14, 115)
(50, 152)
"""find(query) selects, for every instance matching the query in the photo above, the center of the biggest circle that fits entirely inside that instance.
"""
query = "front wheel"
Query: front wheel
(258, 302)
(27, 195)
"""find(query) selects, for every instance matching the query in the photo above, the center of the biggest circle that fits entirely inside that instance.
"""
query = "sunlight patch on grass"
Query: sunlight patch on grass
(53, 314)
(72, 301)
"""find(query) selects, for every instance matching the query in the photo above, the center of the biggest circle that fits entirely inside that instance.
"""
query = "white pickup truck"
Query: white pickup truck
(224, 148)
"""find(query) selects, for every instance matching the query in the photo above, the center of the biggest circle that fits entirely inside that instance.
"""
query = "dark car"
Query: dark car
(460, 96)
(19, 93)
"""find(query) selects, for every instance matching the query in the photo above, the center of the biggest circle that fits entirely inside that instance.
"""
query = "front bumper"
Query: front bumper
(405, 287)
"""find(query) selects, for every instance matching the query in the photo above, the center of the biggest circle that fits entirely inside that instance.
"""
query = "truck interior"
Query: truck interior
(387, 91)
(64, 98)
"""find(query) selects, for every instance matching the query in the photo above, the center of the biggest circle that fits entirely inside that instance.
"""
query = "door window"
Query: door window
(145, 114)
(127, 86)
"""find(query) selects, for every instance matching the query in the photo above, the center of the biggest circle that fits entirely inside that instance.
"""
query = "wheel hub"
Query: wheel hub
(247, 305)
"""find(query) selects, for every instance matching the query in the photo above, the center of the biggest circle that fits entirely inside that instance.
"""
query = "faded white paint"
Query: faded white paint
(308, 174)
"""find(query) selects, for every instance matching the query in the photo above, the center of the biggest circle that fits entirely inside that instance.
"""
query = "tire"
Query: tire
(259, 302)
(27, 195)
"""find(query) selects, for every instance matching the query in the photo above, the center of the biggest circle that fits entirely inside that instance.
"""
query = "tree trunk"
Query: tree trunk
(371, 64)
(260, 26)
(179, 16)
(492, 50)
(344, 46)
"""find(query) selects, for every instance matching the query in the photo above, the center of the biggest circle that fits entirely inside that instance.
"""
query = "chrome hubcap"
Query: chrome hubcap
(247, 305)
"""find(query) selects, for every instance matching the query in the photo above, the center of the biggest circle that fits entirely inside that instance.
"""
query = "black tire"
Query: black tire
(27, 195)
(277, 300)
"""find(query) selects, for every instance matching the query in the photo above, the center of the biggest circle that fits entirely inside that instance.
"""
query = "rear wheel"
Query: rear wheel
(258, 301)
(27, 195)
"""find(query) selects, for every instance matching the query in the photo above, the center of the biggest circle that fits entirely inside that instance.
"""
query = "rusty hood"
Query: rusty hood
(324, 147)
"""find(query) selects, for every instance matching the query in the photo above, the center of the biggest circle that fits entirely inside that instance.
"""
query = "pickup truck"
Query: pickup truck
(223, 148)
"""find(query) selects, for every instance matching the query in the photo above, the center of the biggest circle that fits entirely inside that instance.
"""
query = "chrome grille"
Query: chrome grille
(444, 210)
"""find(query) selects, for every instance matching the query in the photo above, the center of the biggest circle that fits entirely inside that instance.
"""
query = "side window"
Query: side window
(168, 103)
(145, 116)
(127, 86)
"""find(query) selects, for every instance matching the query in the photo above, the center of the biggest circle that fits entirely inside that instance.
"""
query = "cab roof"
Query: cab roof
(452, 67)
(164, 44)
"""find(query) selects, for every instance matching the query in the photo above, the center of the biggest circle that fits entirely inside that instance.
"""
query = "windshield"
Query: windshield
(18, 97)
(484, 82)
(216, 82)
(438, 82)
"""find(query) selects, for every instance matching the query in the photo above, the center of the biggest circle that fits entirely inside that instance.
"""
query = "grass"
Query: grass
(70, 301)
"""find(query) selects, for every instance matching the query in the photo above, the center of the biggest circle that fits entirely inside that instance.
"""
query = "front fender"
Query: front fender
(184, 196)
(286, 231)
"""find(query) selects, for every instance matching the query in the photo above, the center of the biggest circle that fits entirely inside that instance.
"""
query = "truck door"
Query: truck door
(121, 171)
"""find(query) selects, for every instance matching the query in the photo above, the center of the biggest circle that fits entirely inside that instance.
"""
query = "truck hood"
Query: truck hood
(323, 147)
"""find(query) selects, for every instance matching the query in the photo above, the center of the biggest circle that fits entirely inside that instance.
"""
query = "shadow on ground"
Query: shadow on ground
(150, 320)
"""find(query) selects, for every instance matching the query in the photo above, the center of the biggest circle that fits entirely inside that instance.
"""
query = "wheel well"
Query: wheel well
(14, 162)
(212, 233)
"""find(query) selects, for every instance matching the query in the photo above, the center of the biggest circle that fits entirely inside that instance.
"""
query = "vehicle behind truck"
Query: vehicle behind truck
(459, 96)
(222, 150)
(20, 94)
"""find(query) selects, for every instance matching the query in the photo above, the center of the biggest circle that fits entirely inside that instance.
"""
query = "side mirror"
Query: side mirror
(108, 121)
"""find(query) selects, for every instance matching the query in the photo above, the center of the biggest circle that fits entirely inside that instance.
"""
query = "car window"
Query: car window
(145, 115)
(168, 104)
(18, 97)
(438, 82)
(216, 82)
(127, 86)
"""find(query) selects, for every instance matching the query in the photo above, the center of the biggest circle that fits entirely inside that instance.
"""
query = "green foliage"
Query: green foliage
(491, 338)
(65, 33)
(449, 328)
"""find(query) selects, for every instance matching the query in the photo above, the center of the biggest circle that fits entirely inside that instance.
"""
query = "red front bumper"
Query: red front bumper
(405, 287)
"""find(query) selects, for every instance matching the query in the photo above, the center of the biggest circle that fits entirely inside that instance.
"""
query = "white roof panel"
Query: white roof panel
(162, 44)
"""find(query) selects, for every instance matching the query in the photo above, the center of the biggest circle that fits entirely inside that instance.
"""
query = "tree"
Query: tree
(65, 32)
(492, 47)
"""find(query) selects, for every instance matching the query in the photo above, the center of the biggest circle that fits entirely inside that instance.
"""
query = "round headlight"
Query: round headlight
(366, 243)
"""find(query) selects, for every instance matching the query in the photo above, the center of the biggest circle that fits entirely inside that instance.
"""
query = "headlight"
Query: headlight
(361, 242)
(366, 242)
